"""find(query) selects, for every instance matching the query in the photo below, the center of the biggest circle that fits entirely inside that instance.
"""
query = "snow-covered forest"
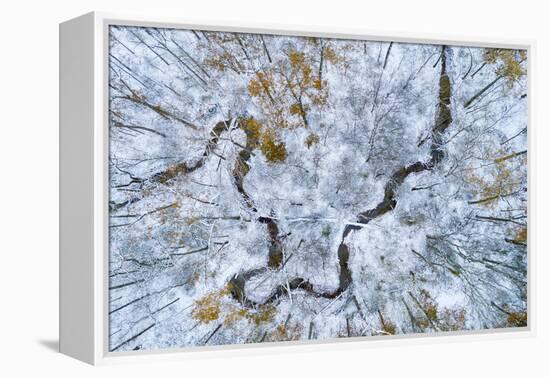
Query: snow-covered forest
(271, 188)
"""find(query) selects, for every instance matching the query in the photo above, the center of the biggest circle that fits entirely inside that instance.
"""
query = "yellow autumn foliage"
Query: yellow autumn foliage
(502, 180)
(452, 319)
(252, 128)
(332, 56)
(508, 62)
(429, 307)
(296, 58)
(286, 332)
(217, 305)
(521, 235)
(273, 149)
(208, 308)
(311, 140)
(297, 109)
(517, 319)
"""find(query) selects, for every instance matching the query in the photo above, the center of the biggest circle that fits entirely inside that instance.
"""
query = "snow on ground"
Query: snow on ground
(449, 255)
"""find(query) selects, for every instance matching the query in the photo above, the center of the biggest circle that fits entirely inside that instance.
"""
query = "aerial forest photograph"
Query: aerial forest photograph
(271, 188)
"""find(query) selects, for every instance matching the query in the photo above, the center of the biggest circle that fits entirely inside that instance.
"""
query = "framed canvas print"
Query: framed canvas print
(227, 188)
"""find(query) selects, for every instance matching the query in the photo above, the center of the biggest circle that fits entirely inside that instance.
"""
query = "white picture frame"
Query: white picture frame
(84, 190)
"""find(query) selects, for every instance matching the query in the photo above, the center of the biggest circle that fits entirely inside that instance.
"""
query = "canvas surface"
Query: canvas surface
(272, 188)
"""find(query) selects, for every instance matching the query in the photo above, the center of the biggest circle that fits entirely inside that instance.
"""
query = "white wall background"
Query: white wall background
(29, 184)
